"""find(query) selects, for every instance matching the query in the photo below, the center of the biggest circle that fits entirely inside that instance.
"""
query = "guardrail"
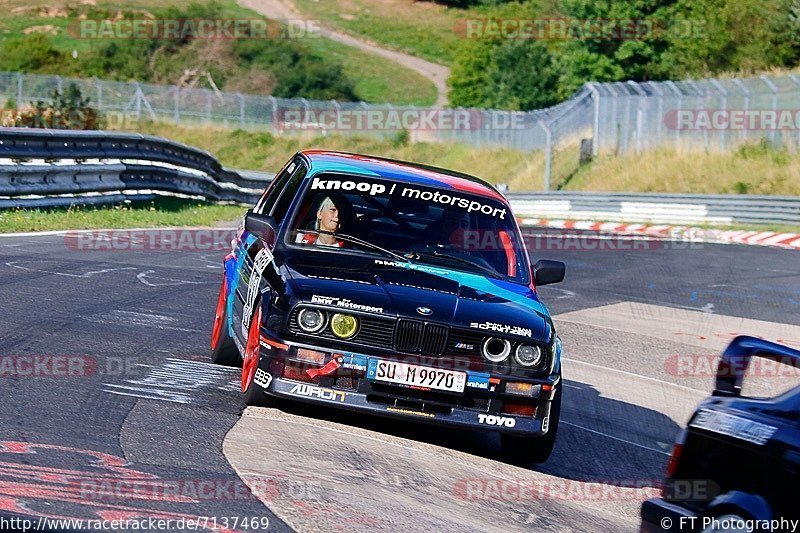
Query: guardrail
(719, 209)
(40, 168)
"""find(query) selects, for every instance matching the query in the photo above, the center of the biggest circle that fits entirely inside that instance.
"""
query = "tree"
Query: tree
(522, 76)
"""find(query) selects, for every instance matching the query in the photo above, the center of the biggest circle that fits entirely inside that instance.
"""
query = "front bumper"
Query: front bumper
(398, 402)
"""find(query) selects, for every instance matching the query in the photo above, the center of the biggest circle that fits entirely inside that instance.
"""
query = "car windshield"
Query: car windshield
(449, 228)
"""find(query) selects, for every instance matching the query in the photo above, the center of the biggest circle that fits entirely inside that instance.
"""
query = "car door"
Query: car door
(258, 277)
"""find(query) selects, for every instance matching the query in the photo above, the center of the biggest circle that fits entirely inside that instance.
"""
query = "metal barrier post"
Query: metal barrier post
(677, 91)
(639, 114)
(723, 134)
(701, 101)
(274, 114)
(596, 120)
(796, 80)
(660, 112)
(774, 89)
(548, 155)
(176, 104)
(746, 92)
(99, 84)
(615, 121)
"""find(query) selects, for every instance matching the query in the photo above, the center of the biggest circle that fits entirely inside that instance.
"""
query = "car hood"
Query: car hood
(402, 289)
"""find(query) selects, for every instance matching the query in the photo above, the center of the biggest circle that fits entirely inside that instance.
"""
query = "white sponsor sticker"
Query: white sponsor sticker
(262, 378)
(313, 391)
(446, 198)
(502, 328)
(336, 185)
(495, 420)
(345, 303)
(733, 426)
(263, 258)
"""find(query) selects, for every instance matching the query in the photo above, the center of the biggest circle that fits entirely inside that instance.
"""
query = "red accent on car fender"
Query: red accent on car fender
(251, 350)
(275, 344)
(220, 312)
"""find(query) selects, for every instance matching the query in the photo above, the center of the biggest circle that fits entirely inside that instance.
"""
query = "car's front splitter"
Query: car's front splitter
(357, 401)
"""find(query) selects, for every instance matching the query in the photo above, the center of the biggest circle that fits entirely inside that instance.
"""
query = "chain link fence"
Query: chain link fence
(711, 115)
(621, 118)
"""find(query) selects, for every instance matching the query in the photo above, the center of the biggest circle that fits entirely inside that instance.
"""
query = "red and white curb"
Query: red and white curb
(683, 233)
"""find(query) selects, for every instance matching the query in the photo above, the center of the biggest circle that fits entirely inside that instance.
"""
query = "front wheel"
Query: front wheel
(253, 392)
(223, 349)
(534, 449)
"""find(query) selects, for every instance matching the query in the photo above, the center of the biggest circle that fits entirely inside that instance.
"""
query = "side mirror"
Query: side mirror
(546, 272)
(736, 358)
(262, 226)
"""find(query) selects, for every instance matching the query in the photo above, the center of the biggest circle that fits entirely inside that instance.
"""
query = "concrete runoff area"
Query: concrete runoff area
(369, 475)
(139, 321)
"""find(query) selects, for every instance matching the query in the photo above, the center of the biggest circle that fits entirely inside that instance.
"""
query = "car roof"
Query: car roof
(368, 165)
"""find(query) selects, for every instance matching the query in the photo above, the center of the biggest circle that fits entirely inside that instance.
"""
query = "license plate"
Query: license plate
(416, 376)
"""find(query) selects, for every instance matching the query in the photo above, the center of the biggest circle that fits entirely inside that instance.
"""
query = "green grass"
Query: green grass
(378, 80)
(752, 169)
(22, 14)
(162, 212)
(375, 79)
(264, 151)
(423, 29)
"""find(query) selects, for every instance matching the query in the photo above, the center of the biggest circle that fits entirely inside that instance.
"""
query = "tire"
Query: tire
(534, 449)
(223, 349)
(253, 392)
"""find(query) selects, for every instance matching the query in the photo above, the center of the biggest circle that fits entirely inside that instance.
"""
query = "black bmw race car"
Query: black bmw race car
(395, 289)
(736, 467)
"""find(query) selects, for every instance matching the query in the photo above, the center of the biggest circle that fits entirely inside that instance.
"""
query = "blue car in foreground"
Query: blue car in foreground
(395, 289)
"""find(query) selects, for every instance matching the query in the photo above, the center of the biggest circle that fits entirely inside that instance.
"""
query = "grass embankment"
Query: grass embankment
(752, 169)
(423, 29)
(44, 37)
(264, 151)
(162, 212)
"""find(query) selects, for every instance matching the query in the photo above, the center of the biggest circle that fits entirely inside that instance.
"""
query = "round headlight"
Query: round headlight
(496, 350)
(344, 326)
(528, 355)
(311, 320)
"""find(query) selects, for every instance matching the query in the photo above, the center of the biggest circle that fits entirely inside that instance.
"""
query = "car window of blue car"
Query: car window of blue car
(273, 191)
(288, 193)
(432, 225)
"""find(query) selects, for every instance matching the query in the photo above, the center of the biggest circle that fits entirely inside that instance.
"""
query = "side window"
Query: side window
(287, 195)
(267, 200)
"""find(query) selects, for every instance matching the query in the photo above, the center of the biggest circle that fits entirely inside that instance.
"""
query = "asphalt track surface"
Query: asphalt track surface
(141, 425)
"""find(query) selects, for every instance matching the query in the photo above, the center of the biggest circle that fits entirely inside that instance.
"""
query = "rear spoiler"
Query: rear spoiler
(736, 358)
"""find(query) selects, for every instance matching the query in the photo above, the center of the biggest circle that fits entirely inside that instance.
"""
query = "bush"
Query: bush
(34, 52)
(69, 111)
(299, 72)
